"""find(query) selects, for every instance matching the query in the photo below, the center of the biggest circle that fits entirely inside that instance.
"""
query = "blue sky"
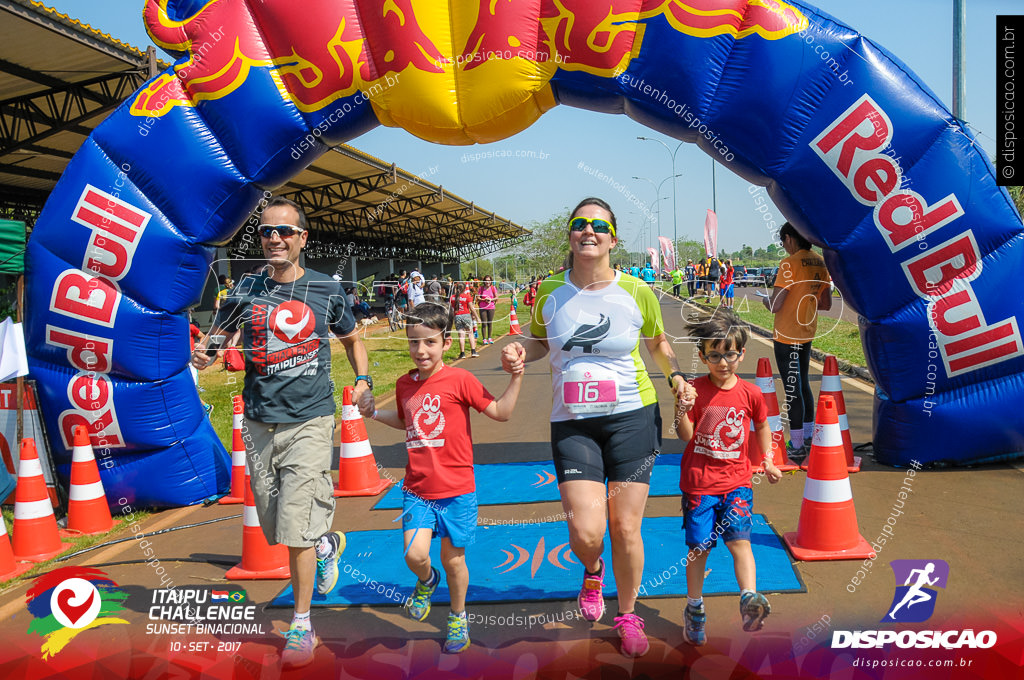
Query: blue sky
(919, 32)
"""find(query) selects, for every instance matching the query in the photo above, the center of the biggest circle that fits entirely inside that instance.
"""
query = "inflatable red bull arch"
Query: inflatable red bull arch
(857, 153)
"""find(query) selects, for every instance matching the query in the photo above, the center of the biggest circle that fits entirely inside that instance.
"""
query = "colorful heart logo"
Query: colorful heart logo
(74, 612)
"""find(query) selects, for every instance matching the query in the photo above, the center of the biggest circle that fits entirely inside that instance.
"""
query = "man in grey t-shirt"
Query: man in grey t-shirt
(286, 313)
(434, 291)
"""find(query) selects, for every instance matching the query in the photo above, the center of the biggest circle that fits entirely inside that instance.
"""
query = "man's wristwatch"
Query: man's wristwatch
(368, 379)
(674, 374)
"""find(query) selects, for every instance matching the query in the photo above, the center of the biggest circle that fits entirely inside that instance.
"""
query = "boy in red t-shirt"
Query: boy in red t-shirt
(440, 490)
(714, 415)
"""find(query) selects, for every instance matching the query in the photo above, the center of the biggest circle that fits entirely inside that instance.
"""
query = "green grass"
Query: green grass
(834, 336)
(389, 359)
(77, 543)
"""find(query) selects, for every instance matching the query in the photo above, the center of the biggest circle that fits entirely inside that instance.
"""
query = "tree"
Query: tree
(1017, 194)
(689, 249)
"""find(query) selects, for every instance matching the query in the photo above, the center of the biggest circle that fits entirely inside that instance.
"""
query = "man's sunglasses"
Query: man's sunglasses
(597, 224)
(283, 230)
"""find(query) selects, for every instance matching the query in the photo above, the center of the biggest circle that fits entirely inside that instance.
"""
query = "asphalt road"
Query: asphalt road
(963, 516)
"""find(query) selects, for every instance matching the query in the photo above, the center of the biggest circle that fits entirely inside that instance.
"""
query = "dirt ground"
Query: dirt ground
(962, 516)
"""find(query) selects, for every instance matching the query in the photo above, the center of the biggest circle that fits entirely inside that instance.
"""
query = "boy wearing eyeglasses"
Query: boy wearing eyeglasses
(714, 414)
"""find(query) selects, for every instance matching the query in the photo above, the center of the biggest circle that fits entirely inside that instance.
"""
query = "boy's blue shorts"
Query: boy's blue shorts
(454, 517)
(729, 291)
(706, 517)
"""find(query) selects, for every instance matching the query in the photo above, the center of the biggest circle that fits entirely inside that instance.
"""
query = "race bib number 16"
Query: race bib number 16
(585, 392)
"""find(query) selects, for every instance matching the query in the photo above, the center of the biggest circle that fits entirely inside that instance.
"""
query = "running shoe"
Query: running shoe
(458, 634)
(462, 355)
(299, 647)
(631, 631)
(591, 597)
(754, 609)
(796, 454)
(327, 565)
(695, 618)
(419, 604)
(474, 354)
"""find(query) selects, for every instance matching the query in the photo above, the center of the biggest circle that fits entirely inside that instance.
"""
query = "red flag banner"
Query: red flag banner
(668, 252)
(711, 233)
(654, 258)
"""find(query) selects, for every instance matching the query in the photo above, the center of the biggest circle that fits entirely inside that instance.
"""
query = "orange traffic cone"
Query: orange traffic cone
(88, 512)
(827, 529)
(513, 320)
(260, 560)
(766, 382)
(35, 528)
(237, 493)
(833, 387)
(357, 468)
(8, 567)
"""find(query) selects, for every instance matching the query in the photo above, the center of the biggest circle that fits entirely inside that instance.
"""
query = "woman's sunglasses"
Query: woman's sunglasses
(596, 223)
(283, 230)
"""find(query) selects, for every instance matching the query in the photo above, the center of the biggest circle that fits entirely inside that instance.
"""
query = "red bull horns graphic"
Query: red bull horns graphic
(327, 56)
(858, 155)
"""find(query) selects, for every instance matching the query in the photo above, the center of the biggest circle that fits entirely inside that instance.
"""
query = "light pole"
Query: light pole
(714, 194)
(959, 65)
(675, 207)
(657, 200)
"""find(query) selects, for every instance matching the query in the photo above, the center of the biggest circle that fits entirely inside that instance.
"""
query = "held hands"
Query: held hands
(686, 397)
(513, 358)
(365, 402)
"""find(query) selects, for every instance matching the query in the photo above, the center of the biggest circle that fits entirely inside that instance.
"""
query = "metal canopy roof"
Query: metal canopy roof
(60, 78)
(359, 204)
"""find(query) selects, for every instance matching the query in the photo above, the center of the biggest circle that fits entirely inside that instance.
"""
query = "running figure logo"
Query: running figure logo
(914, 601)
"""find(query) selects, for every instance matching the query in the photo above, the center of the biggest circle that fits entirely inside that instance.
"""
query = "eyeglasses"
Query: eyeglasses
(596, 223)
(730, 357)
(282, 230)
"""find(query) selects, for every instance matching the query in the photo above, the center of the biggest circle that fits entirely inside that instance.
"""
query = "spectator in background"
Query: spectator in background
(677, 280)
(702, 277)
(433, 291)
(402, 292)
(486, 299)
(714, 273)
(416, 295)
(691, 277)
(726, 291)
(359, 307)
(801, 289)
(465, 316)
(224, 286)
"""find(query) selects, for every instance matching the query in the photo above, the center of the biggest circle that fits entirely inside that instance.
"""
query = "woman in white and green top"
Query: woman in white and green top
(605, 422)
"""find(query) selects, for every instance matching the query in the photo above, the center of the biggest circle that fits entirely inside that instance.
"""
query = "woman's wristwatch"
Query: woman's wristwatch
(674, 374)
(365, 378)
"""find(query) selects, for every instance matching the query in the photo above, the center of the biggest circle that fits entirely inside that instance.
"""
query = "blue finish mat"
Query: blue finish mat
(506, 483)
(533, 562)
